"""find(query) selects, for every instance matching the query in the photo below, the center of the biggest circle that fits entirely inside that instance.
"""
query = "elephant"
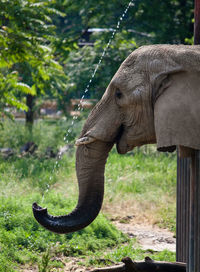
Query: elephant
(154, 97)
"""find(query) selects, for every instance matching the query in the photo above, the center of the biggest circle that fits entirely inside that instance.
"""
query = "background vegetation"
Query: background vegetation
(42, 40)
(49, 49)
(143, 182)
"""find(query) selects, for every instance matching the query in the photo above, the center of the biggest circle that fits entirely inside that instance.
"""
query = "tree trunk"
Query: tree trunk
(30, 113)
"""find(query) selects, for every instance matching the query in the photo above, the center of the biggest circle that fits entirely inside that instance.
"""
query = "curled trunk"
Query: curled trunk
(90, 165)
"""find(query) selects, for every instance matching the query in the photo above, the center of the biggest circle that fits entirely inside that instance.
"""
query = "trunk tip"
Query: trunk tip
(38, 209)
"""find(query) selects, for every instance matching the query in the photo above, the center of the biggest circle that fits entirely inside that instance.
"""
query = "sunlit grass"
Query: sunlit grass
(131, 250)
(140, 183)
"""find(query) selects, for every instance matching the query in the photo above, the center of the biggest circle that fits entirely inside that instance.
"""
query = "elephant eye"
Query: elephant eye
(118, 94)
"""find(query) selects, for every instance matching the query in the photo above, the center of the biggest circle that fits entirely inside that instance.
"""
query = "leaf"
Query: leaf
(3, 63)
(16, 103)
(56, 64)
(57, 12)
(25, 88)
(39, 4)
(34, 89)
(37, 21)
(45, 48)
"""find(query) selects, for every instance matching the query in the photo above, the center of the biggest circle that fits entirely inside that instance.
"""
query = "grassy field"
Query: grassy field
(141, 183)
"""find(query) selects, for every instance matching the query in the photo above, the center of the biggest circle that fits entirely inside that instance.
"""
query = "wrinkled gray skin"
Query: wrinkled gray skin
(148, 100)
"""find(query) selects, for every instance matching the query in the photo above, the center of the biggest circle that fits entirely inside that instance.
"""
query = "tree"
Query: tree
(27, 42)
(81, 64)
(140, 26)
(39, 37)
(168, 21)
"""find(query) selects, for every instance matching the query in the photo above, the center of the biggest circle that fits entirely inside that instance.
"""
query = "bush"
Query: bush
(45, 133)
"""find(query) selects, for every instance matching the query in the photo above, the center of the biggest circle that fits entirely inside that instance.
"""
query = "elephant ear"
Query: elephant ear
(176, 99)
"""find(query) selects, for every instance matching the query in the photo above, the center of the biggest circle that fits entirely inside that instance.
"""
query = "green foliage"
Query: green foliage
(22, 234)
(9, 88)
(38, 38)
(35, 37)
(174, 17)
(28, 64)
(44, 266)
(133, 251)
(139, 27)
(81, 64)
(143, 176)
(45, 134)
(21, 237)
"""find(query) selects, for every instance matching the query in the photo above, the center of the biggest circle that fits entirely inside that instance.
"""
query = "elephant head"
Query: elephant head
(153, 98)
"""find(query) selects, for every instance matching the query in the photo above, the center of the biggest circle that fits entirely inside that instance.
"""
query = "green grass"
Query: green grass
(46, 133)
(131, 250)
(23, 240)
(137, 173)
(146, 179)
(142, 177)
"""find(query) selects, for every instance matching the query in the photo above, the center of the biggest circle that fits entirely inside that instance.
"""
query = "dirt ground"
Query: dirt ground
(149, 236)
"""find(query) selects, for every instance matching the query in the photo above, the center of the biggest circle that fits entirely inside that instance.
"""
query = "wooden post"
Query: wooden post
(194, 230)
(182, 209)
(197, 22)
(188, 195)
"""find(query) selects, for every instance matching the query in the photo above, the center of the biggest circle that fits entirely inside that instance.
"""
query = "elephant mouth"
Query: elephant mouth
(125, 143)
(122, 146)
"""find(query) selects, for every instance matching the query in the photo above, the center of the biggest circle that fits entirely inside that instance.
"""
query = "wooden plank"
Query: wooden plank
(183, 204)
(147, 266)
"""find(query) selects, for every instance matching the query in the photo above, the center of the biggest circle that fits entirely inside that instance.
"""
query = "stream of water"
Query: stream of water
(80, 108)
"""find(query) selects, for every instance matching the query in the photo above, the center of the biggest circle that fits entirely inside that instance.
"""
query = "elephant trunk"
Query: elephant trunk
(90, 165)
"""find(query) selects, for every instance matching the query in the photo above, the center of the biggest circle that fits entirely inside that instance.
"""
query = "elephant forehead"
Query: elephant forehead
(128, 79)
(137, 79)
